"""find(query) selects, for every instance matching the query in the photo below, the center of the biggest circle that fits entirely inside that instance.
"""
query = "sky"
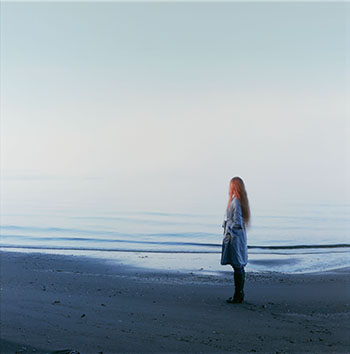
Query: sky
(157, 105)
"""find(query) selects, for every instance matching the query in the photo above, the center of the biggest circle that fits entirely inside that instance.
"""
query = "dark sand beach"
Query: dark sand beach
(59, 303)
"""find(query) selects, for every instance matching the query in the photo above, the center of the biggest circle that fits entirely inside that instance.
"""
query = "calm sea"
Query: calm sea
(292, 239)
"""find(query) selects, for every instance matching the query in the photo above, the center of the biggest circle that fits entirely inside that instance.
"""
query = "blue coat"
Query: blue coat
(234, 244)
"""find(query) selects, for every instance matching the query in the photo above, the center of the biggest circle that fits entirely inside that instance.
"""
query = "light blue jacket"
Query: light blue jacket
(234, 248)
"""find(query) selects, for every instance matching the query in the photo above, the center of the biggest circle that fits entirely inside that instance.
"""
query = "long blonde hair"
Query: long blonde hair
(240, 193)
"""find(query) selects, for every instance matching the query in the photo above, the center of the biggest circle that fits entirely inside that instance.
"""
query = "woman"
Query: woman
(234, 245)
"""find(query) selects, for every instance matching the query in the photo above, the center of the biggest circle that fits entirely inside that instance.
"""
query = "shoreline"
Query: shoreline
(55, 302)
(204, 263)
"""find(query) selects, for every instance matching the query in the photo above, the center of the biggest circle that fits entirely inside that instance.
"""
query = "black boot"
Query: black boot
(238, 297)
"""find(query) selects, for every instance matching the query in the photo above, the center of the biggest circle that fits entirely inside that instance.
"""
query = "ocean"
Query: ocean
(290, 239)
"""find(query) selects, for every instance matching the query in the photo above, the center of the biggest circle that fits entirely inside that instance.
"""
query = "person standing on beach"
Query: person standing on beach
(234, 244)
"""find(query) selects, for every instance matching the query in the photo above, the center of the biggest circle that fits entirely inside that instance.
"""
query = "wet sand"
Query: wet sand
(60, 303)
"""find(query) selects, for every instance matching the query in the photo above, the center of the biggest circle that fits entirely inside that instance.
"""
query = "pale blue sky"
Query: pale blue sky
(142, 102)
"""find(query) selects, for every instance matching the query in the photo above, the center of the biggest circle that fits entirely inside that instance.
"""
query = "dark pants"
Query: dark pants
(239, 278)
(239, 270)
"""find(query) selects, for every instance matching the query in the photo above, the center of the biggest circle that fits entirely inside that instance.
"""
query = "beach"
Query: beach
(55, 303)
(131, 133)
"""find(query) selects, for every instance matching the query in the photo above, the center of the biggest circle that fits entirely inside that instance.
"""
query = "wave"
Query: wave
(59, 248)
(295, 247)
(158, 243)
(74, 231)
(56, 229)
(97, 240)
(173, 243)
